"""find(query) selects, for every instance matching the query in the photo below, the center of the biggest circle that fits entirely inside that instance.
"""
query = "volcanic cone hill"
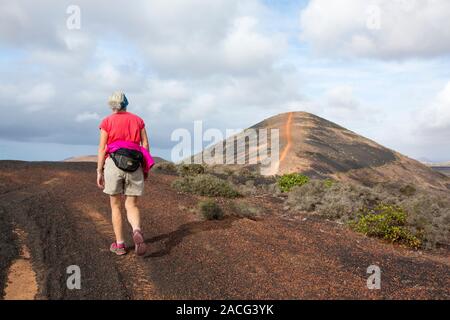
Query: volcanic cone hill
(320, 148)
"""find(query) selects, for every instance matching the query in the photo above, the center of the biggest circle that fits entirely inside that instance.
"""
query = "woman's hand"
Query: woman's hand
(100, 180)
(101, 158)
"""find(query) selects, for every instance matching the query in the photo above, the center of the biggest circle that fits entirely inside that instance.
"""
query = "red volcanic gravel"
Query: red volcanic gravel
(67, 222)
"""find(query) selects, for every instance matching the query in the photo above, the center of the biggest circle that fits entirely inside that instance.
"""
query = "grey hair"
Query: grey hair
(118, 101)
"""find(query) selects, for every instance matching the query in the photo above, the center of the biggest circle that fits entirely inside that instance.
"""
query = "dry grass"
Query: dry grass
(427, 214)
(165, 167)
(205, 185)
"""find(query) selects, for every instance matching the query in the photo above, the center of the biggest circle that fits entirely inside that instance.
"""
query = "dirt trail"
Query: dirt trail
(138, 282)
(287, 130)
(187, 258)
(21, 279)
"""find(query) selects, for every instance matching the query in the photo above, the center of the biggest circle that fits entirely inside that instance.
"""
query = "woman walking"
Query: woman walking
(123, 164)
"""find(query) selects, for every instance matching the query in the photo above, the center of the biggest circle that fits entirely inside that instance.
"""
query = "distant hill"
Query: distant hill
(438, 164)
(317, 147)
(441, 167)
(91, 158)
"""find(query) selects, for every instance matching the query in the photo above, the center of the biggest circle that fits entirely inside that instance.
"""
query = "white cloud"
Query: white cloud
(177, 60)
(424, 133)
(386, 29)
(87, 116)
(246, 48)
(174, 90)
(107, 74)
(25, 24)
(341, 104)
(341, 97)
(436, 116)
(198, 107)
(177, 37)
(39, 94)
(192, 37)
(76, 40)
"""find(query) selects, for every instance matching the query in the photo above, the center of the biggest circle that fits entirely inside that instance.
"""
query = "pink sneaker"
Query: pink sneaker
(118, 249)
(139, 245)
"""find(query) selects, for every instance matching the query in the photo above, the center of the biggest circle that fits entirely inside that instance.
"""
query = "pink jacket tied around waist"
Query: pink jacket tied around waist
(148, 160)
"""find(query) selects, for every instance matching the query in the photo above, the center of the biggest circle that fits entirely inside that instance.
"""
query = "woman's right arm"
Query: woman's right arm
(101, 157)
(102, 149)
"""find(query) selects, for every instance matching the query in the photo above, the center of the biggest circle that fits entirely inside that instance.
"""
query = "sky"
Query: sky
(378, 67)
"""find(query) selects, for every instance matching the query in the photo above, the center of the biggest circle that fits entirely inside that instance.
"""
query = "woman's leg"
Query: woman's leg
(135, 220)
(117, 217)
(133, 214)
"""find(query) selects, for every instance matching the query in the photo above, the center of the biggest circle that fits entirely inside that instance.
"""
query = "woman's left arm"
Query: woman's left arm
(144, 139)
(101, 157)
(144, 144)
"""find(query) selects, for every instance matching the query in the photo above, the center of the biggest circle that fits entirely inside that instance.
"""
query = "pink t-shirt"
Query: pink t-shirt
(124, 126)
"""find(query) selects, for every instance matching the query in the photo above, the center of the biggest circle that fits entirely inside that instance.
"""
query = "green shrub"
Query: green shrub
(205, 185)
(408, 190)
(192, 169)
(218, 169)
(210, 210)
(288, 181)
(307, 197)
(386, 222)
(430, 215)
(428, 212)
(247, 189)
(246, 172)
(252, 183)
(245, 210)
(338, 201)
(165, 167)
(328, 183)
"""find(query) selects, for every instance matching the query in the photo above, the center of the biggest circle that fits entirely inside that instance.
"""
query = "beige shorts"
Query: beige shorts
(118, 181)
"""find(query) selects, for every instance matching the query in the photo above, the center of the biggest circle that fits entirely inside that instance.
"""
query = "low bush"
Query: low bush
(247, 172)
(192, 169)
(245, 210)
(338, 201)
(221, 170)
(328, 183)
(288, 181)
(387, 222)
(165, 167)
(408, 190)
(210, 210)
(428, 214)
(205, 185)
(247, 189)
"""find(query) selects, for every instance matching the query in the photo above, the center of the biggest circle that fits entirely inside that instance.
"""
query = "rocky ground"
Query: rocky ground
(53, 216)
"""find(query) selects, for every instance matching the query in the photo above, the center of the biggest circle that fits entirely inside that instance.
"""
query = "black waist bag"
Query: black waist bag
(127, 159)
